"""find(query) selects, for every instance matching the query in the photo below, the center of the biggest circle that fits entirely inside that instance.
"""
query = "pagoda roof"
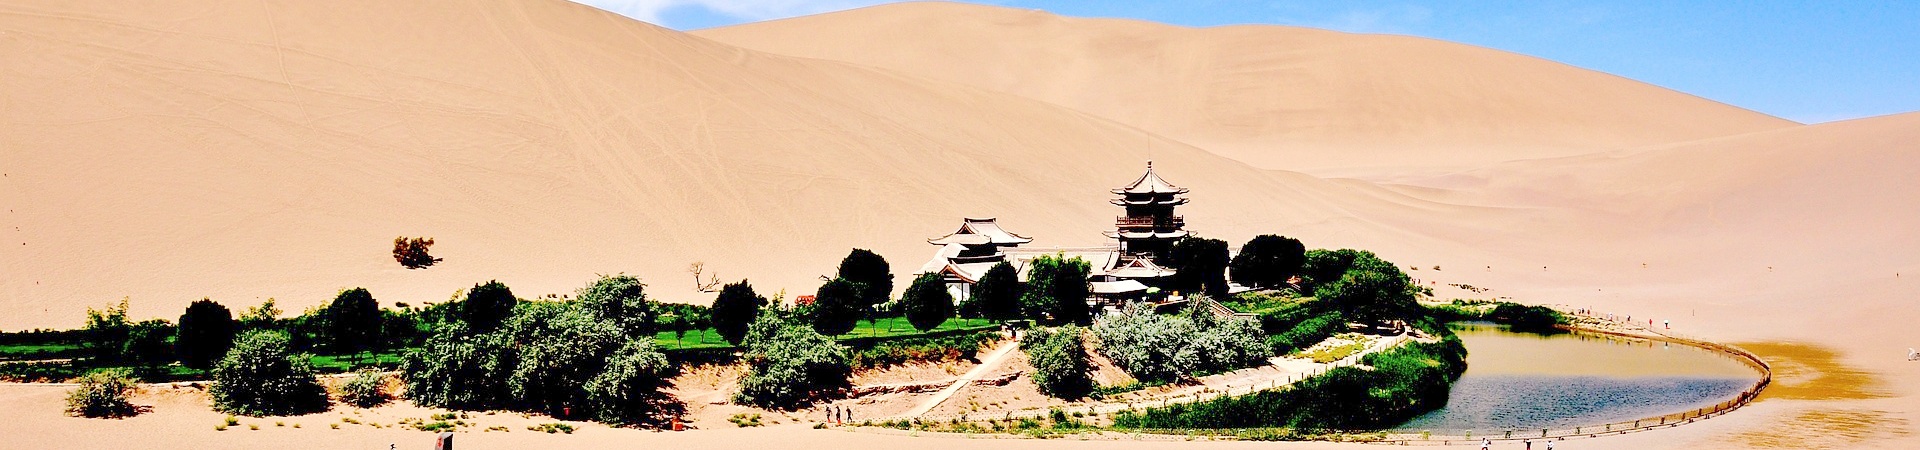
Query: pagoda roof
(1146, 234)
(1138, 268)
(1150, 183)
(1117, 287)
(1149, 201)
(980, 231)
(947, 261)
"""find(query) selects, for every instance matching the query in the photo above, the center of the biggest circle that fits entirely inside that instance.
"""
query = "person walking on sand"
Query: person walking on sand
(1486, 443)
(1549, 445)
(1528, 442)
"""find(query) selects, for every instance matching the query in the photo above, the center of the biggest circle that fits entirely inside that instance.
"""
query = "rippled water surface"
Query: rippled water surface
(1523, 380)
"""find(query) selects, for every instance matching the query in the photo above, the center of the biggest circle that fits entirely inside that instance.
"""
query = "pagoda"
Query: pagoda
(967, 253)
(1150, 227)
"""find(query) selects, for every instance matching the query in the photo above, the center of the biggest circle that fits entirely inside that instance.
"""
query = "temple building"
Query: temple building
(1125, 271)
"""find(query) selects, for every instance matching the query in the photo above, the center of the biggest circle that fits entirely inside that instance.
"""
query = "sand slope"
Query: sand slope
(242, 151)
(1276, 97)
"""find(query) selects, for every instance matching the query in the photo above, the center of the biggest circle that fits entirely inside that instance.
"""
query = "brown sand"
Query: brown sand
(243, 150)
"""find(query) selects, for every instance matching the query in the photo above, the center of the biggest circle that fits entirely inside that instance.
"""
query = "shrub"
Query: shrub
(352, 321)
(734, 309)
(458, 369)
(103, 393)
(927, 302)
(1059, 359)
(366, 389)
(788, 364)
(621, 299)
(106, 331)
(487, 306)
(871, 272)
(1154, 347)
(628, 391)
(206, 332)
(1371, 296)
(560, 347)
(837, 307)
(412, 252)
(921, 349)
(147, 343)
(262, 376)
(997, 295)
(1057, 289)
(1268, 261)
(1307, 333)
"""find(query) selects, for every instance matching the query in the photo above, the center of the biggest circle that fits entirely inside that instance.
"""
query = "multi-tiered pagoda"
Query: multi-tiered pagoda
(1150, 227)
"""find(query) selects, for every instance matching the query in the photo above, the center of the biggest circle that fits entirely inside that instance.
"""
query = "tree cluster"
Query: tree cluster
(789, 364)
(262, 376)
(1268, 261)
(1368, 288)
(1155, 347)
(1057, 290)
(590, 357)
(1202, 265)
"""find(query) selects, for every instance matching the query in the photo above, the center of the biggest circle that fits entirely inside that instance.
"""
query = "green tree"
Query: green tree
(837, 307)
(927, 302)
(872, 273)
(1059, 359)
(459, 369)
(622, 299)
(629, 390)
(147, 343)
(1268, 261)
(412, 252)
(206, 333)
(1370, 296)
(487, 306)
(105, 334)
(734, 309)
(1057, 289)
(997, 295)
(1202, 265)
(264, 315)
(352, 321)
(262, 376)
(789, 364)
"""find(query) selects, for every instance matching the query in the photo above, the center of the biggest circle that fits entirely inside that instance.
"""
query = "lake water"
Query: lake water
(1530, 381)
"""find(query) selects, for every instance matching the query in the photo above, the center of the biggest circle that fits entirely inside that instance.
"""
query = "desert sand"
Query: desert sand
(242, 151)
(1275, 97)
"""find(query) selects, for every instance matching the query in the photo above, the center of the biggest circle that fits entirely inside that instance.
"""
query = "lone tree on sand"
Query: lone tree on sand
(412, 252)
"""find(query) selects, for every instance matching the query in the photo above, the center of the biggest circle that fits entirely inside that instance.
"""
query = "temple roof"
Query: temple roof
(978, 231)
(1116, 287)
(1149, 183)
(1146, 234)
(1139, 268)
(1176, 201)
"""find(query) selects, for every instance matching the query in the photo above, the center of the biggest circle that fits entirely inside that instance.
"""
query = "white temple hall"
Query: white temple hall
(1122, 271)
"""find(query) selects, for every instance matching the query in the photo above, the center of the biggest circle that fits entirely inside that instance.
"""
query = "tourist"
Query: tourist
(1528, 442)
(1549, 445)
(1486, 443)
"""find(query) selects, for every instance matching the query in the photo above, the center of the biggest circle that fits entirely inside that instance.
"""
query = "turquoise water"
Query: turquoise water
(1529, 381)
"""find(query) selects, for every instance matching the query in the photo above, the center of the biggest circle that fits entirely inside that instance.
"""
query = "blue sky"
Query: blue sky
(1809, 61)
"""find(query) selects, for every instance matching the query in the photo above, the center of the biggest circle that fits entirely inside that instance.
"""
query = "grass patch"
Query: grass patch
(744, 420)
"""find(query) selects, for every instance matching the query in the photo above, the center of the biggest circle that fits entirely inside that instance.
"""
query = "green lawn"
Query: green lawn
(38, 351)
(889, 327)
(344, 363)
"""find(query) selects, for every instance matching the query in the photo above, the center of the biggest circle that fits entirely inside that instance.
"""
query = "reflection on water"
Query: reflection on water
(1523, 380)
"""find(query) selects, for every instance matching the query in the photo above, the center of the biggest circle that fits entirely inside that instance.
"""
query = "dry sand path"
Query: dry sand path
(986, 366)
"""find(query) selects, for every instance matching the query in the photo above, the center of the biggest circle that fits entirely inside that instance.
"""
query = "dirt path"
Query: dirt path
(986, 366)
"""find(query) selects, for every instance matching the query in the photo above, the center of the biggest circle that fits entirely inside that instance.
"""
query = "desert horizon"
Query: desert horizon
(165, 153)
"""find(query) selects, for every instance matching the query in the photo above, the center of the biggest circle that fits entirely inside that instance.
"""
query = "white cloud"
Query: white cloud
(750, 10)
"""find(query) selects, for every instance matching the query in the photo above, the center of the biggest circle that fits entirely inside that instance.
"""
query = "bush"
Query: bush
(997, 295)
(872, 273)
(366, 389)
(922, 349)
(206, 332)
(1372, 291)
(734, 309)
(927, 302)
(1057, 289)
(262, 376)
(561, 346)
(487, 306)
(628, 391)
(103, 393)
(1268, 261)
(412, 252)
(1307, 333)
(837, 307)
(460, 370)
(788, 364)
(147, 343)
(1059, 360)
(106, 331)
(1154, 347)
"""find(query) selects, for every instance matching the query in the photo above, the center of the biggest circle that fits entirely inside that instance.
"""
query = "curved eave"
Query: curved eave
(1125, 202)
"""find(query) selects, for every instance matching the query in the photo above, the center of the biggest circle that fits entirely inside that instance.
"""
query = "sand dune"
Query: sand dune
(1291, 98)
(244, 151)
